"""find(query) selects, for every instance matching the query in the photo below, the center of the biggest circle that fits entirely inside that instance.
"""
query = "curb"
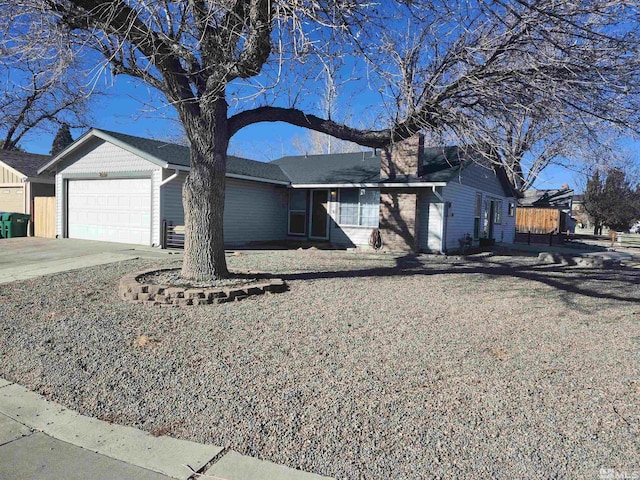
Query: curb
(178, 459)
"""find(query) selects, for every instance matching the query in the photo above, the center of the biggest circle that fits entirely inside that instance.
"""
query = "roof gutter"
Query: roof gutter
(371, 185)
(256, 179)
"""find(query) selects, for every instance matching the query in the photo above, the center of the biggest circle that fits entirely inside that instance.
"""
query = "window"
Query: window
(298, 212)
(497, 212)
(359, 206)
(512, 209)
(476, 219)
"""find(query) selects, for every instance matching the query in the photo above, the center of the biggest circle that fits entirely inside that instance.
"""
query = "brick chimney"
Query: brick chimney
(402, 159)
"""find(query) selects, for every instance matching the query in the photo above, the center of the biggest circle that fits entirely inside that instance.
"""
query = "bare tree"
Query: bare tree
(526, 145)
(39, 93)
(447, 67)
(315, 142)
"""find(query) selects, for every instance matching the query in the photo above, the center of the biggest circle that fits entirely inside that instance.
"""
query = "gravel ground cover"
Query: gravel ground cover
(371, 366)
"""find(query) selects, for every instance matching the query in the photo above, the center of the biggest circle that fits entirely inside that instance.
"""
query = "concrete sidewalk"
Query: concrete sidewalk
(40, 439)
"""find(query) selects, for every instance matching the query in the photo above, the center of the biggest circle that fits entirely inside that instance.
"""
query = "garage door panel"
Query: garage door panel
(113, 210)
(12, 199)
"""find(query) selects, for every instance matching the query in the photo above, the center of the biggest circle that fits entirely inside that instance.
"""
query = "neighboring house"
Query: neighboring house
(120, 188)
(584, 222)
(421, 199)
(20, 182)
(545, 211)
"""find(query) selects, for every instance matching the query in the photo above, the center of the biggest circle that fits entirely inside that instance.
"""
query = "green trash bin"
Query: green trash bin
(15, 225)
(3, 216)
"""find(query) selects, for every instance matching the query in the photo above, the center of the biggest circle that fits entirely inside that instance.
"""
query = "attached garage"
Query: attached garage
(113, 210)
(120, 188)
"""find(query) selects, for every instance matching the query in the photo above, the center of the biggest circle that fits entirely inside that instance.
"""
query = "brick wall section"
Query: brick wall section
(402, 158)
(399, 220)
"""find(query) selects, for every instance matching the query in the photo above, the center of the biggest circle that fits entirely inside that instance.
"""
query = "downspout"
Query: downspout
(443, 235)
(170, 178)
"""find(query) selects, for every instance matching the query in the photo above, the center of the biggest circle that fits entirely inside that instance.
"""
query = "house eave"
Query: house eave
(173, 166)
(237, 176)
(47, 180)
(371, 185)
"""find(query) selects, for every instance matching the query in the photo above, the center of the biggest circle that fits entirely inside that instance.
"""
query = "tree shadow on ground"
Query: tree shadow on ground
(619, 284)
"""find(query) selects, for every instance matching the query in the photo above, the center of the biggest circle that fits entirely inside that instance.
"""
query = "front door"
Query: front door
(319, 215)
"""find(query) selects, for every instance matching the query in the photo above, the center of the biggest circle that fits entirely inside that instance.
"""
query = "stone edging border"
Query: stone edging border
(131, 289)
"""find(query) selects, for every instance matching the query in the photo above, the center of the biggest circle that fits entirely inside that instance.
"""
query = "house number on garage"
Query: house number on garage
(103, 174)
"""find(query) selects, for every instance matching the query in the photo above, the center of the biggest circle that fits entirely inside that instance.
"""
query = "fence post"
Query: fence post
(163, 239)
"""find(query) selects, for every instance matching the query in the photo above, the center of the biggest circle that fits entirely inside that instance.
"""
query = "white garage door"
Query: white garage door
(114, 210)
(12, 199)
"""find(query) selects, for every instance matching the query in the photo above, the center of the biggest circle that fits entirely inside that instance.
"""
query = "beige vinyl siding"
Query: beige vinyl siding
(7, 176)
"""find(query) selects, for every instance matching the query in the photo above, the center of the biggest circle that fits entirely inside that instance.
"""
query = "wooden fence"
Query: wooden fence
(44, 217)
(538, 220)
(540, 238)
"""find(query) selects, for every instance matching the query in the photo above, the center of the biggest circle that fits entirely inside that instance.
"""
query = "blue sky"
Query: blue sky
(120, 109)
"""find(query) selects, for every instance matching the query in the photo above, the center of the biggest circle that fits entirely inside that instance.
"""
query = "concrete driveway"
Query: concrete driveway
(29, 257)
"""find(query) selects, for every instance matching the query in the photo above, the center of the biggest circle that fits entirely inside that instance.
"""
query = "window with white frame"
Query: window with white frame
(497, 212)
(359, 207)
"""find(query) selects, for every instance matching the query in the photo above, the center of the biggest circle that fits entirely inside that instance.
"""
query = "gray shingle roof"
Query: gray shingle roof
(25, 163)
(442, 164)
(438, 165)
(359, 167)
(547, 198)
(179, 155)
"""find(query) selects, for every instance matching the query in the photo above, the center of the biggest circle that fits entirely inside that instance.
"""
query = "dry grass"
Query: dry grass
(369, 367)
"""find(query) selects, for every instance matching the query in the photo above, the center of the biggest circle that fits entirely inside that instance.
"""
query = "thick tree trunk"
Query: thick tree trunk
(203, 196)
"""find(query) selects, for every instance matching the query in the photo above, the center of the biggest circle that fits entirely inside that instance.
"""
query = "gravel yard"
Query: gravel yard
(369, 367)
